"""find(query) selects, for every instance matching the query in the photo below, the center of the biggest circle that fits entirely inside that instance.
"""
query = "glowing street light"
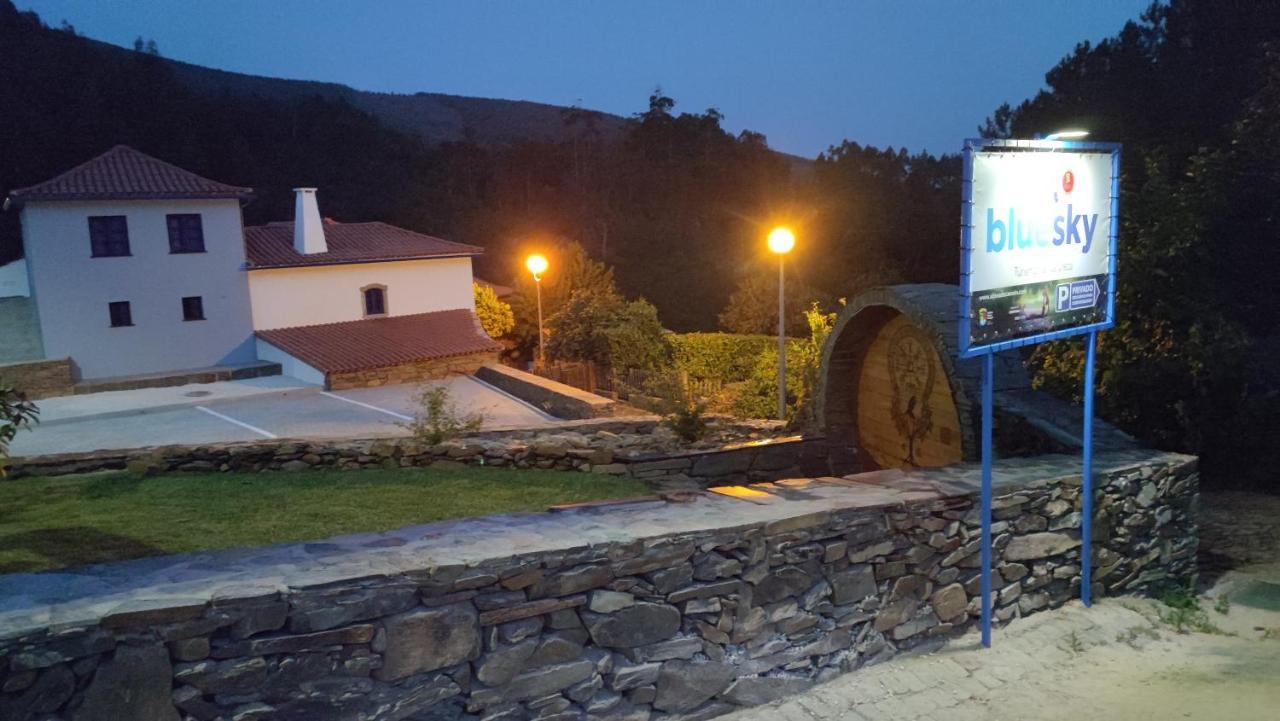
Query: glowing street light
(1067, 135)
(537, 265)
(781, 241)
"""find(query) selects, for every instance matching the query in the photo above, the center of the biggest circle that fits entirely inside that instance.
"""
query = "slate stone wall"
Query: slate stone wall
(609, 447)
(558, 399)
(667, 628)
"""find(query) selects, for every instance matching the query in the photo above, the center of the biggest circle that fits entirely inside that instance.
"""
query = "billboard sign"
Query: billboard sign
(1038, 241)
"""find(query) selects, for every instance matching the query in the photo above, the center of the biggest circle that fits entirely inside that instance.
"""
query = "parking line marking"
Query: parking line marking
(393, 414)
(242, 424)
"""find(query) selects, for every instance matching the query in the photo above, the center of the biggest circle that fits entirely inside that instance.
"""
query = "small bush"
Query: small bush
(668, 394)
(1183, 612)
(437, 418)
(15, 412)
(496, 316)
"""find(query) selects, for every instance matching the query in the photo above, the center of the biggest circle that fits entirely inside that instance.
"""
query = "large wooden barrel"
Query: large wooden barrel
(891, 385)
(906, 415)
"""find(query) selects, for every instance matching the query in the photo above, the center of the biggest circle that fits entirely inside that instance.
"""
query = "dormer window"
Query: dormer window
(375, 300)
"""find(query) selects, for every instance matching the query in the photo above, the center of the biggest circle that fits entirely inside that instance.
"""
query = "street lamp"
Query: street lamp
(537, 265)
(781, 241)
(1067, 135)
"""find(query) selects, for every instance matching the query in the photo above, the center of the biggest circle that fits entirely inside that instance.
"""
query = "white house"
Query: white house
(139, 267)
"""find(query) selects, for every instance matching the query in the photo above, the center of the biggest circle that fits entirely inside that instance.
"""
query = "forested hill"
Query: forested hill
(433, 117)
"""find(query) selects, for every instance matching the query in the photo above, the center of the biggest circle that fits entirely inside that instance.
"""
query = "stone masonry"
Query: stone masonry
(413, 372)
(734, 452)
(750, 594)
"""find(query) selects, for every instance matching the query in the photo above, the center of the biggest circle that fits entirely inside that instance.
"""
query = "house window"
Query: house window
(186, 233)
(375, 300)
(120, 313)
(108, 236)
(193, 308)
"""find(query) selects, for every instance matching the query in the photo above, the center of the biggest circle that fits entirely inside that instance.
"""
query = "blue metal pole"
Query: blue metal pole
(1086, 486)
(988, 372)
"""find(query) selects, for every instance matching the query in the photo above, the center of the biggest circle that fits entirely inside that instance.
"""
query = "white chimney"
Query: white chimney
(308, 229)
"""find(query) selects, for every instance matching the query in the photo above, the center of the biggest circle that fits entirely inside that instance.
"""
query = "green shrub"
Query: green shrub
(496, 317)
(437, 418)
(604, 329)
(726, 357)
(758, 396)
(667, 393)
(1182, 610)
(635, 337)
(15, 412)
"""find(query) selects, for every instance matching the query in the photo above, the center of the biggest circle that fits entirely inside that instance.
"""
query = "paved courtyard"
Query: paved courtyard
(1114, 661)
(277, 407)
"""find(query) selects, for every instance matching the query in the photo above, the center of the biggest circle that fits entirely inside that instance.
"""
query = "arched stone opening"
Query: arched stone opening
(889, 385)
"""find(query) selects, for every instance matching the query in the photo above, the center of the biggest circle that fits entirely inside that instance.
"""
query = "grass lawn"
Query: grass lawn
(49, 523)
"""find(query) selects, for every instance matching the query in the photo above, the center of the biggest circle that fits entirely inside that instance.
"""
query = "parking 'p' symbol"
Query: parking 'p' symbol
(1064, 297)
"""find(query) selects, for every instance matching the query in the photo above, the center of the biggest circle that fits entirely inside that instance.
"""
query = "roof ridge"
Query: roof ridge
(143, 165)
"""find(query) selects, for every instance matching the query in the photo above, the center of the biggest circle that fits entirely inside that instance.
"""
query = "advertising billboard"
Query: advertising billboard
(1038, 241)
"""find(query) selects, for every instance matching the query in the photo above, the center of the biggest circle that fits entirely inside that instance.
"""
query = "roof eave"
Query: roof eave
(359, 261)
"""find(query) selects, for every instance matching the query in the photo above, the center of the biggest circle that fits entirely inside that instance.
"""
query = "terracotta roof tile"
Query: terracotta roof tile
(383, 342)
(123, 173)
(271, 246)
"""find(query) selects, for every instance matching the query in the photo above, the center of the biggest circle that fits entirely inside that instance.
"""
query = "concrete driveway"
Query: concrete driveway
(249, 410)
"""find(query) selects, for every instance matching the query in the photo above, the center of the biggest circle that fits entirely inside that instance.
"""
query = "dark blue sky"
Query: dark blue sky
(806, 74)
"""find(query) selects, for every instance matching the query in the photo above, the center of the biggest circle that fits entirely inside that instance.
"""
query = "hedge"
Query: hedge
(727, 357)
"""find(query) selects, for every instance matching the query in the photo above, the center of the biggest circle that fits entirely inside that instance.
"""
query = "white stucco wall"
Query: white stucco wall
(287, 297)
(72, 289)
(289, 365)
(13, 280)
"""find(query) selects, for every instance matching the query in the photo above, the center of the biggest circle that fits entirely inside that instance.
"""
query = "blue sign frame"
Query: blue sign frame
(988, 350)
(974, 145)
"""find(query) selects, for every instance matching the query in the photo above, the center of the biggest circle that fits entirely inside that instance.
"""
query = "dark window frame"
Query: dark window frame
(107, 239)
(121, 313)
(186, 233)
(381, 296)
(197, 306)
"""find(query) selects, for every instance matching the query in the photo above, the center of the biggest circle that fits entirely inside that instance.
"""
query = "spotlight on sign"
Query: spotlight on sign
(1067, 135)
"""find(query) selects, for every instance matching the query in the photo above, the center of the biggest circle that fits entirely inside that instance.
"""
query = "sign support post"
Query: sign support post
(1086, 485)
(988, 363)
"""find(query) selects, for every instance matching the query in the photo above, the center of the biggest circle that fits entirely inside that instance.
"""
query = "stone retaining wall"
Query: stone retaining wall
(611, 447)
(672, 627)
(39, 379)
(412, 372)
(558, 399)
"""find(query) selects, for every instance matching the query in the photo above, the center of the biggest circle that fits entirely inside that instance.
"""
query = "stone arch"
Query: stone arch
(930, 312)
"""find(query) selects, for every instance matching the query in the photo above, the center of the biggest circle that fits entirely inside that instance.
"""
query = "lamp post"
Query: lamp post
(537, 265)
(781, 241)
